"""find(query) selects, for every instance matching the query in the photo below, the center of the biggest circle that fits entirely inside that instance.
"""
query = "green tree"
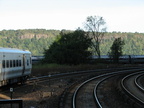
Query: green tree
(116, 50)
(96, 27)
(69, 48)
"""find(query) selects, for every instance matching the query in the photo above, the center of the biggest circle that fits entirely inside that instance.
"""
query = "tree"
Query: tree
(69, 48)
(96, 27)
(116, 50)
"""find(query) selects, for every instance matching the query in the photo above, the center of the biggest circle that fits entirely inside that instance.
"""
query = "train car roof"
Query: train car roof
(13, 50)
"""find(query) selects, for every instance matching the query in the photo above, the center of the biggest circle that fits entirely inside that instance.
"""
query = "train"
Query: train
(125, 59)
(15, 65)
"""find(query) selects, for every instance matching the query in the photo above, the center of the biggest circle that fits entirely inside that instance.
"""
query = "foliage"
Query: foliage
(69, 48)
(15, 39)
(116, 50)
(34, 40)
(95, 26)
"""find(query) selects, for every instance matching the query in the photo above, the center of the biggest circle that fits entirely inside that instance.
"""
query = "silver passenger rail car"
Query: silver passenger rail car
(15, 65)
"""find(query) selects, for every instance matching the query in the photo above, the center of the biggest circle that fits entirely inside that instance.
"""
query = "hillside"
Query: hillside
(36, 40)
(134, 43)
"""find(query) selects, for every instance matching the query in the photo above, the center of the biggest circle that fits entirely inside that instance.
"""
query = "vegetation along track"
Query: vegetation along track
(83, 93)
(132, 88)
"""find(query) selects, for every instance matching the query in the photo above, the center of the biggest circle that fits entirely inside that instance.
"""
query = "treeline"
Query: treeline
(134, 43)
(36, 40)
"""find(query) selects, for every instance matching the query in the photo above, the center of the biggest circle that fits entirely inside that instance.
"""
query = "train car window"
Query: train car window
(11, 64)
(27, 62)
(7, 63)
(19, 62)
(14, 63)
(3, 63)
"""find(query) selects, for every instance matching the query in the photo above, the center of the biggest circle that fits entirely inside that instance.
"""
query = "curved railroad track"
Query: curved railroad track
(139, 82)
(83, 96)
(49, 78)
(132, 88)
(39, 79)
(44, 81)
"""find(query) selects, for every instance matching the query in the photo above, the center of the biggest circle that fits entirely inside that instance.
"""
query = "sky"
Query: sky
(119, 15)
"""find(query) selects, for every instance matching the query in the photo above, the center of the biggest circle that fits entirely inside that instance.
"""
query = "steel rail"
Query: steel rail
(112, 73)
(96, 89)
(127, 91)
(52, 76)
(137, 84)
(76, 91)
(65, 93)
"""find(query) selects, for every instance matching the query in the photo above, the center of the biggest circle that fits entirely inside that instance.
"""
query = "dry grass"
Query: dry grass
(46, 69)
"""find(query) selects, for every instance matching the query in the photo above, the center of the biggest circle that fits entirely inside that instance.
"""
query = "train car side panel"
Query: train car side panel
(12, 66)
(1, 76)
(15, 65)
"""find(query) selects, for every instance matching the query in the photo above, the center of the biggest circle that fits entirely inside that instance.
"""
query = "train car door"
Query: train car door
(1, 66)
(24, 64)
(3, 69)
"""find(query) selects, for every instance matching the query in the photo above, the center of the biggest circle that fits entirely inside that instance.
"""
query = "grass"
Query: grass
(45, 69)
(47, 65)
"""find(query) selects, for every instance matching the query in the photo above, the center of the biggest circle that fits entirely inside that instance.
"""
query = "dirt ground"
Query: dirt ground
(37, 95)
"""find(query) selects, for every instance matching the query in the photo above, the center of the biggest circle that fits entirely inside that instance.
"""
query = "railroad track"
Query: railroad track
(83, 93)
(41, 79)
(50, 78)
(69, 74)
(131, 86)
(78, 75)
(139, 82)
(84, 97)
